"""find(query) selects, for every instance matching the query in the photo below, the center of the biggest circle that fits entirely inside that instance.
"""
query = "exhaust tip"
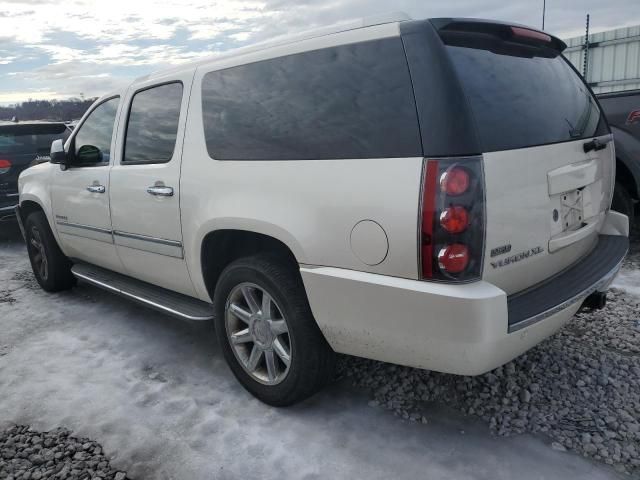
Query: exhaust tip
(595, 301)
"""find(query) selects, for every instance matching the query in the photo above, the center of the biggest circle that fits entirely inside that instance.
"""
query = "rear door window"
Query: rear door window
(522, 101)
(153, 125)
(350, 101)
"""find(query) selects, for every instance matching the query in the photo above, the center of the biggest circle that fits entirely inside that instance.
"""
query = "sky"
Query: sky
(60, 49)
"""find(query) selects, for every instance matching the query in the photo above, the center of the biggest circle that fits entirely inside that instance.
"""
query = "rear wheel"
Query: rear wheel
(267, 333)
(51, 267)
(622, 201)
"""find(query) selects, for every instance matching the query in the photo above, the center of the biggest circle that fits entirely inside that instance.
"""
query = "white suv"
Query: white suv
(429, 193)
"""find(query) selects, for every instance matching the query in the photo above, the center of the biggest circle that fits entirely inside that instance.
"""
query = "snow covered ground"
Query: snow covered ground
(155, 392)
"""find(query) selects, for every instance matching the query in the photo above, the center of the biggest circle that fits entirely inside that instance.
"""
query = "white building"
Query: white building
(613, 62)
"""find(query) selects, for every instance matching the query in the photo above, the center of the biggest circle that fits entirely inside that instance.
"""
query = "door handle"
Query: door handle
(96, 188)
(160, 191)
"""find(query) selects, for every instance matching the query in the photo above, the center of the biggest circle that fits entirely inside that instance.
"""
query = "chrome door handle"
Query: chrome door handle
(96, 188)
(160, 191)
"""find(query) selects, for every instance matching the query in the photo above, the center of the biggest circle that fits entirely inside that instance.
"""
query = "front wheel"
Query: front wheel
(267, 333)
(51, 267)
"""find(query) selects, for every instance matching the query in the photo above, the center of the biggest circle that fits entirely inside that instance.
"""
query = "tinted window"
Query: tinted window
(521, 101)
(352, 101)
(92, 143)
(153, 124)
(30, 138)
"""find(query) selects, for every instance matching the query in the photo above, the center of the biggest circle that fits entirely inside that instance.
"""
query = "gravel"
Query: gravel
(580, 388)
(27, 454)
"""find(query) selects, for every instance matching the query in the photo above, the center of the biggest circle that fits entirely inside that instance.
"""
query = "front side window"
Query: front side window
(153, 125)
(92, 143)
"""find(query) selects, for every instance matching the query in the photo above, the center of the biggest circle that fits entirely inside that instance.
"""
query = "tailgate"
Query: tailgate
(545, 207)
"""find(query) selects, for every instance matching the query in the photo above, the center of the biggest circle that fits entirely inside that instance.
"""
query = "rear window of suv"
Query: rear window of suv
(30, 139)
(523, 101)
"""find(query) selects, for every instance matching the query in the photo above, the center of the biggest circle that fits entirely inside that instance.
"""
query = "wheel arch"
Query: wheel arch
(27, 207)
(221, 247)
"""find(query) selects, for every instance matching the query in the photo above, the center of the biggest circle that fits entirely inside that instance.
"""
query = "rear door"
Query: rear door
(145, 183)
(548, 185)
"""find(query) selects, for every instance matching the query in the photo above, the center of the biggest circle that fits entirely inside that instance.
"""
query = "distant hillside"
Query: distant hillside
(64, 110)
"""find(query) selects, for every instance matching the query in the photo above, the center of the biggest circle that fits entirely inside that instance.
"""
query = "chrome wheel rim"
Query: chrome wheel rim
(258, 333)
(38, 254)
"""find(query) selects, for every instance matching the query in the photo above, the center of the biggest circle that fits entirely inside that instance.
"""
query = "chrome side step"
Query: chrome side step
(152, 296)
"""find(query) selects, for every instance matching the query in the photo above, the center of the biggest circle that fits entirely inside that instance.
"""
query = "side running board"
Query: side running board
(161, 299)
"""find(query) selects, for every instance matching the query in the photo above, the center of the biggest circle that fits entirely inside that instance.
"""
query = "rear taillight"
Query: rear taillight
(453, 258)
(455, 181)
(452, 219)
(5, 166)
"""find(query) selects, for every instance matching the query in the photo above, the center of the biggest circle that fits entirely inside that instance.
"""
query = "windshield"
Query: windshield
(30, 139)
(522, 101)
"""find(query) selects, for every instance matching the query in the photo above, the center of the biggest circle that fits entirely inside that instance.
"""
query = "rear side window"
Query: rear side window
(521, 101)
(153, 124)
(351, 101)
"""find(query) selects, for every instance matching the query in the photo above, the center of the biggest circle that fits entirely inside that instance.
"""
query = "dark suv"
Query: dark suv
(23, 144)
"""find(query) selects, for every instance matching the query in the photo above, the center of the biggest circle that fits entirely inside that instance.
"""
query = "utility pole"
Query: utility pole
(544, 11)
(585, 65)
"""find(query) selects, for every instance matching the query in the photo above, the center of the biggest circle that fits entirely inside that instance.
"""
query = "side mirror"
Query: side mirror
(88, 154)
(58, 155)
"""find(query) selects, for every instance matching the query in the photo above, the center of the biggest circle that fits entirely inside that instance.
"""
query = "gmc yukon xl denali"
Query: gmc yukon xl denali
(430, 193)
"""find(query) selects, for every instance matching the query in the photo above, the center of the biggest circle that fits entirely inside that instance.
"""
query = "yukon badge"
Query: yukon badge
(503, 262)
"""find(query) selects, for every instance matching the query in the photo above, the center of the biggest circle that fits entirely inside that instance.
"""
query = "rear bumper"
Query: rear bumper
(8, 211)
(592, 274)
(461, 329)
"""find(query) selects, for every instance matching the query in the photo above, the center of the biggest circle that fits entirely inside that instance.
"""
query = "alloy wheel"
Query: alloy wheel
(258, 333)
(38, 253)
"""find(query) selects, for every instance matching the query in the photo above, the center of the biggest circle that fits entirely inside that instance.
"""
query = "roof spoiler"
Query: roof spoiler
(508, 32)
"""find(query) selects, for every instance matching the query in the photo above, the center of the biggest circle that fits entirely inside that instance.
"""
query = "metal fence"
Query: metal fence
(613, 59)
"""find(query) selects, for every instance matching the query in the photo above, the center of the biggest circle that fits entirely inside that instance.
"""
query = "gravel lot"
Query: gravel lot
(144, 389)
(29, 454)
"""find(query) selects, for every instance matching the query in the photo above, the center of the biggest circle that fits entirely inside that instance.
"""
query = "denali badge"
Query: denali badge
(501, 250)
(517, 257)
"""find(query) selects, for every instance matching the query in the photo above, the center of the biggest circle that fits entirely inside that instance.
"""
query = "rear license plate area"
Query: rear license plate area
(572, 210)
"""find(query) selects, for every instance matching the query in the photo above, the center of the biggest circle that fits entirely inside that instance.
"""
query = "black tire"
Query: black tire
(622, 201)
(312, 359)
(41, 244)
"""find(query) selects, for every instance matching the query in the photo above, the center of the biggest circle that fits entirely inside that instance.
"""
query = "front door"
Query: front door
(145, 184)
(80, 192)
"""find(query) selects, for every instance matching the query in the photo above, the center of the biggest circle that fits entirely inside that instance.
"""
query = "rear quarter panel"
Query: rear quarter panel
(309, 205)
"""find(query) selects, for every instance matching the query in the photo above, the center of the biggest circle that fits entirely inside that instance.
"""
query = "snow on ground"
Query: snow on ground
(155, 392)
